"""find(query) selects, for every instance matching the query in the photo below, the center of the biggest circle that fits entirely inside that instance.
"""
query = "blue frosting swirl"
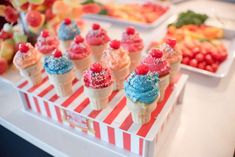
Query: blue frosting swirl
(57, 65)
(68, 32)
(142, 88)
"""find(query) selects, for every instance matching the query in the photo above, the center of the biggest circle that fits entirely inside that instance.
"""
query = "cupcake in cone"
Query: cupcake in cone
(80, 54)
(46, 43)
(142, 93)
(158, 64)
(67, 31)
(98, 85)
(97, 39)
(117, 59)
(173, 56)
(60, 71)
(132, 43)
(27, 60)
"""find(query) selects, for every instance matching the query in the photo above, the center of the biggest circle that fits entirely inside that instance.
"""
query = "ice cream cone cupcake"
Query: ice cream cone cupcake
(67, 31)
(97, 39)
(46, 43)
(80, 54)
(60, 71)
(173, 56)
(98, 85)
(132, 43)
(27, 60)
(142, 93)
(117, 59)
(158, 64)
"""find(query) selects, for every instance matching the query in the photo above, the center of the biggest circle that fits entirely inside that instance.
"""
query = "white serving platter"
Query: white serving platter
(122, 22)
(228, 41)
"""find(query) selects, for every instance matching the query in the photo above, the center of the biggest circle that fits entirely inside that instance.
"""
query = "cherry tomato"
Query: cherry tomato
(193, 63)
(202, 65)
(199, 57)
(214, 66)
(186, 60)
(209, 59)
(209, 68)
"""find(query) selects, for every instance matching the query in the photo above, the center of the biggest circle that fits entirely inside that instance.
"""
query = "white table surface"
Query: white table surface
(207, 127)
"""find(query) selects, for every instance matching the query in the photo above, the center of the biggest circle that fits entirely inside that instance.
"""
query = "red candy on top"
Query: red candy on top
(95, 26)
(67, 21)
(24, 48)
(115, 44)
(142, 69)
(96, 67)
(78, 39)
(171, 42)
(57, 53)
(130, 30)
(156, 53)
(45, 33)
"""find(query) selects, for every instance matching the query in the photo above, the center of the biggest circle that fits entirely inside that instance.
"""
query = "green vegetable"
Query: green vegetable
(190, 17)
(91, 1)
(88, 2)
(103, 12)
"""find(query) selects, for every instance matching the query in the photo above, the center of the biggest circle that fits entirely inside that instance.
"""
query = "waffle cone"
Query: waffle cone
(141, 113)
(163, 84)
(97, 51)
(62, 83)
(135, 58)
(99, 97)
(33, 73)
(119, 77)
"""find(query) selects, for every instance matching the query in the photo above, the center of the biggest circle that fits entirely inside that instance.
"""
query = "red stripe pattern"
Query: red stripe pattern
(107, 116)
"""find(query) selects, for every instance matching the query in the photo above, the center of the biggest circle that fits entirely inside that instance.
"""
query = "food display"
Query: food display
(201, 45)
(101, 80)
(133, 43)
(67, 31)
(142, 13)
(158, 64)
(60, 71)
(28, 61)
(117, 59)
(80, 54)
(46, 43)
(98, 85)
(142, 92)
(97, 39)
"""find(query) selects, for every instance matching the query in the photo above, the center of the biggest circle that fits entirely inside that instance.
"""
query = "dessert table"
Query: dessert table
(206, 125)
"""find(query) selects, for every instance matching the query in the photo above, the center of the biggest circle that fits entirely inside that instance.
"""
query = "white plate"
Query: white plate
(228, 41)
(157, 22)
(224, 66)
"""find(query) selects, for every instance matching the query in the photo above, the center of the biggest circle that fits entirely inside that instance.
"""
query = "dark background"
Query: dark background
(12, 145)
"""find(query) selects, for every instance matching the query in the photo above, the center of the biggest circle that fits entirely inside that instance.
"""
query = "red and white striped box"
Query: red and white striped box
(112, 124)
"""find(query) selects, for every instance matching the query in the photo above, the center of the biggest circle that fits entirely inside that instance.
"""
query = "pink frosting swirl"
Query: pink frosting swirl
(132, 42)
(159, 65)
(171, 54)
(115, 59)
(97, 77)
(46, 45)
(97, 37)
(78, 51)
(23, 60)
